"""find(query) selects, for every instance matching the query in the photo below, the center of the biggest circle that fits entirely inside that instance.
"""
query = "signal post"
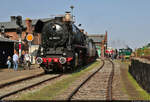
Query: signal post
(29, 39)
(19, 31)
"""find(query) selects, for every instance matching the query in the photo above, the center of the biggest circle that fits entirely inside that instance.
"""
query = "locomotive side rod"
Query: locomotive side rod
(89, 77)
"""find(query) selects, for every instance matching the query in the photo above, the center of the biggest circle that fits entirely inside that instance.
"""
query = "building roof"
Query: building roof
(13, 25)
(9, 25)
(97, 37)
(6, 40)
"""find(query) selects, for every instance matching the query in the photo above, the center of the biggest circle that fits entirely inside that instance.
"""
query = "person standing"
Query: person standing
(15, 61)
(27, 59)
(9, 62)
(22, 60)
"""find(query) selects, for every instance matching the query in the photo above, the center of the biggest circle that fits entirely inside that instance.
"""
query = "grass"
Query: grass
(143, 94)
(49, 92)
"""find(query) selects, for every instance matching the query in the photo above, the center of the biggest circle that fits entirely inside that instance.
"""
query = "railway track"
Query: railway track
(9, 90)
(109, 84)
(20, 80)
(110, 81)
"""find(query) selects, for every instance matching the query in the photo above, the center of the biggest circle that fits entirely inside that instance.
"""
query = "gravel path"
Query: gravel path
(129, 87)
(118, 93)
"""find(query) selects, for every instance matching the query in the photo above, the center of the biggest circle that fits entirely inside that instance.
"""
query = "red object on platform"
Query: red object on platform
(107, 51)
(19, 46)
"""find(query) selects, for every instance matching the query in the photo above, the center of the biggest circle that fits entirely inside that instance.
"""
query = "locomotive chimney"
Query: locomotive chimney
(13, 18)
(68, 17)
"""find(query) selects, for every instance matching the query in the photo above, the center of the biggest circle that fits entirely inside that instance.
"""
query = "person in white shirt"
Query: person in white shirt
(27, 59)
(15, 61)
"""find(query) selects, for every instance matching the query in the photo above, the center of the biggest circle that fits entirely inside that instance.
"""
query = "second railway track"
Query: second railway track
(26, 84)
(20, 80)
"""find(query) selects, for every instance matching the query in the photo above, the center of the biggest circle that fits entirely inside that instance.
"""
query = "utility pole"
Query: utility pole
(72, 7)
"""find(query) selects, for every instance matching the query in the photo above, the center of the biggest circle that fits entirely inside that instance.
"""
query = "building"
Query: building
(10, 31)
(100, 41)
(6, 49)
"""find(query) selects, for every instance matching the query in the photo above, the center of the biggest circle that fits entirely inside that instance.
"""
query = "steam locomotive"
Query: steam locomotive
(63, 45)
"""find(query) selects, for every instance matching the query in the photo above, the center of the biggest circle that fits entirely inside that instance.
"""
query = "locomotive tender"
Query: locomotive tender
(63, 45)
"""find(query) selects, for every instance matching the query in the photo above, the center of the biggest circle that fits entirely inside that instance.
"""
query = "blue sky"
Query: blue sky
(127, 21)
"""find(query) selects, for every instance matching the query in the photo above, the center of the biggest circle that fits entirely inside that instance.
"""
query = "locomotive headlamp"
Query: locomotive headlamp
(64, 54)
(62, 60)
(39, 60)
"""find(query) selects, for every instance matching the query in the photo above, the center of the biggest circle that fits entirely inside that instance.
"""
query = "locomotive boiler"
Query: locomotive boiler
(63, 46)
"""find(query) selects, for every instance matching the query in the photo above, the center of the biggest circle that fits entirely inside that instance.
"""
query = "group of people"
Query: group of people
(24, 59)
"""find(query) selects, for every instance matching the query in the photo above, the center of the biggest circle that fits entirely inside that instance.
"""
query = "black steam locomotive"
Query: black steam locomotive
(63, 45)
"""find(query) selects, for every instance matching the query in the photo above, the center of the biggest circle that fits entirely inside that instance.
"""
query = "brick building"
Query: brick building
(28, 28)
(6, 49)
(100, 41)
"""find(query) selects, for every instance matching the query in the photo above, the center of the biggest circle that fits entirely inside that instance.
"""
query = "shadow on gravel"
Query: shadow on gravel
(78, 69)
(2, 67)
